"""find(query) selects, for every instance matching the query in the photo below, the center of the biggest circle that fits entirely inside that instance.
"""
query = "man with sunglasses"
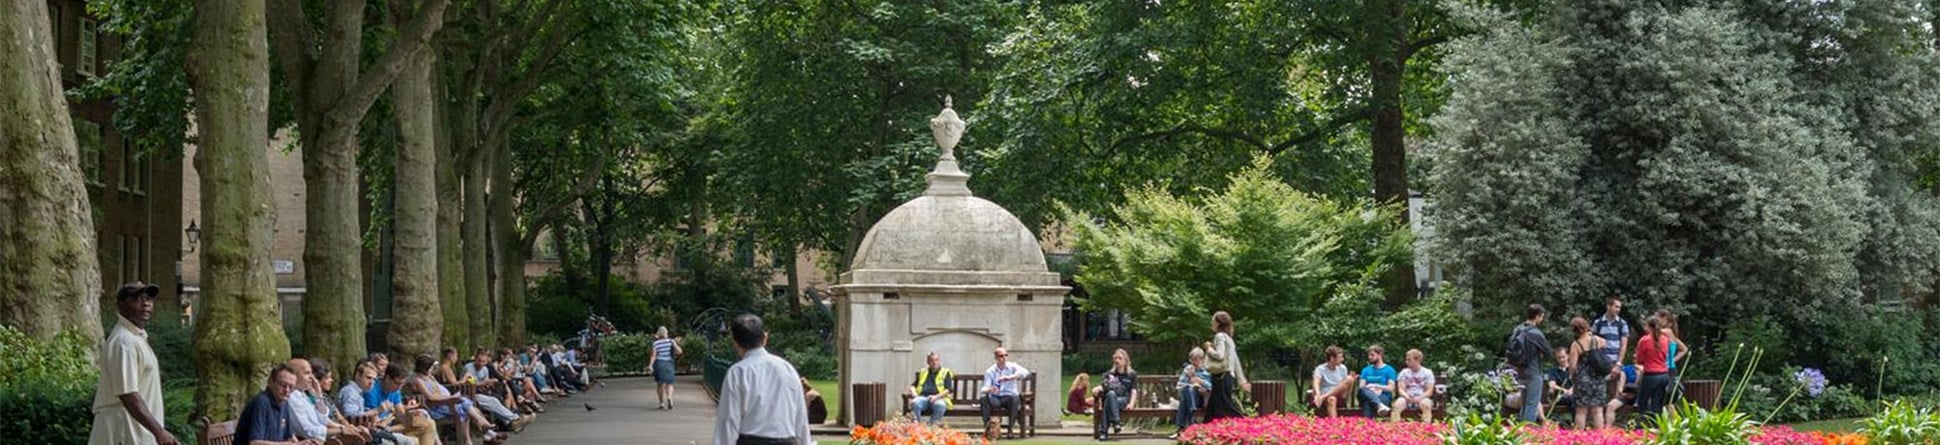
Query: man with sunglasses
(1002, 384)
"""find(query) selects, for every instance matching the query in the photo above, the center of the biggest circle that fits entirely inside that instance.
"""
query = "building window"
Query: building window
(87, 137)
(85, 46)
(134, 169)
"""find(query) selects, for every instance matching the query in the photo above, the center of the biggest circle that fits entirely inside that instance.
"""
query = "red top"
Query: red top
(1651, 354)
(1076, 401)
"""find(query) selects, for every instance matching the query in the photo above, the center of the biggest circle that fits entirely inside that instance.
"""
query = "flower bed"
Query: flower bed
(1298, 430)
(903, 432)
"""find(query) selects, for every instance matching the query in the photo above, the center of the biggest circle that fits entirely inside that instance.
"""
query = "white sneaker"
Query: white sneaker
(1382, 408)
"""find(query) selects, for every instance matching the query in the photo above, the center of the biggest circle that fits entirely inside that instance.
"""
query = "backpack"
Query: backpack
(1520, 352)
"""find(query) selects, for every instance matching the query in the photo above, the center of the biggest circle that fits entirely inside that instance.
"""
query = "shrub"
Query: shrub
(626, 354)
(174, 350)
(46, 388)
(1902, 424)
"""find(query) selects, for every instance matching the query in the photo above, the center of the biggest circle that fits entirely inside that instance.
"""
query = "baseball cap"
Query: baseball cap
(136, 288)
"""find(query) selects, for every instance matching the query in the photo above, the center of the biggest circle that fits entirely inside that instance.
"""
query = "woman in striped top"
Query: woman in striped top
(661, 362)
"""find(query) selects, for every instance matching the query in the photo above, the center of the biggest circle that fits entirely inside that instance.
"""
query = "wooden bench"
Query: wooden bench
(1152, 393)
(1350, 405)
(966, 399)
(220, 433)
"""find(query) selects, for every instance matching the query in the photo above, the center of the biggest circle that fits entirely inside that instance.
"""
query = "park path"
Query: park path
(623, 413)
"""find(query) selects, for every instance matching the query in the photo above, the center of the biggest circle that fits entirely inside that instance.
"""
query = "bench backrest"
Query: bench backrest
(221, 433)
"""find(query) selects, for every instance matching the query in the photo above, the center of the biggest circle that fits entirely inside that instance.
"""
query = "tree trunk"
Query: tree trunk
(1388, 134)
(795, 292)
(478, 291)
(451, 252)
(417, 322)
(49, 279)
(333, 301)
(511, 250)
(238, 329)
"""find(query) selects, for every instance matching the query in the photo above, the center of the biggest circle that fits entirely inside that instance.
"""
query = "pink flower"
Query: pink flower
(1298, 430)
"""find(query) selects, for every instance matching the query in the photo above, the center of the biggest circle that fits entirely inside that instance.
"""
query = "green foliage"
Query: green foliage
(46, 388)
(1258, 249)
(174, 350)
(1873, 350)
(1689, 176)
(816, 111)
(1767, 391)
(1693, 425)
(627, 354)
(1480, 430)
(149, 82)
(1902, 424)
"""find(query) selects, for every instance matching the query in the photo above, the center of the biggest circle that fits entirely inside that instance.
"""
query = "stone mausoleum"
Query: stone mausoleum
(952, 273)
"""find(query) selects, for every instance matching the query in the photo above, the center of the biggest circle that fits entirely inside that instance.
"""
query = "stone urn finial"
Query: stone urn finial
(948, 129)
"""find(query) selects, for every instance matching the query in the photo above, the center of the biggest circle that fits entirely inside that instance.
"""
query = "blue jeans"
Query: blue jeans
(1532, 381)
(922, 404)
(1370, 399)
(1110, 413)
(1188, 402)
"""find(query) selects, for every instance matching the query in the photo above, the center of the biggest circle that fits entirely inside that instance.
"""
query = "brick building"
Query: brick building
(134, 196)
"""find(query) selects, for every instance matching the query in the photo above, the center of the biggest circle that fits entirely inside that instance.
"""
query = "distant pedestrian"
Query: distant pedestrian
(1653, 355)
(128, 397)
(1222, 360)
(762, 402)
(662, 364)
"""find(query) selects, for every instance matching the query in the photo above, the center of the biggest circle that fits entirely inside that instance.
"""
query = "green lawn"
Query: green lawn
(1829, 426)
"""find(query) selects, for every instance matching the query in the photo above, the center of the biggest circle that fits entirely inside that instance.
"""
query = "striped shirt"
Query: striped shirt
(663, 349)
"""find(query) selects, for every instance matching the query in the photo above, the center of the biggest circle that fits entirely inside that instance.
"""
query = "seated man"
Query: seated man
(481, 372)
(1332, 383)
(307, 417)
(930, 392)
(387, 399)
(266, 419)
(1558, 381)
(1377, 384)
(1417, 389)
(1002, 387)
(351, 403)
(1194, 382)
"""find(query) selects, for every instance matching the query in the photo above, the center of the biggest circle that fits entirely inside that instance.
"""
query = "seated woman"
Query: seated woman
(1078, 401)
(818, 408)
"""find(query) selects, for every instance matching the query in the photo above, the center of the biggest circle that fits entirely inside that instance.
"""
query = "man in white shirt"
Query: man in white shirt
(306, 419)
(128, 397)
(1002, 383)
(762, 402)
(1333, 382)
(1417, 385)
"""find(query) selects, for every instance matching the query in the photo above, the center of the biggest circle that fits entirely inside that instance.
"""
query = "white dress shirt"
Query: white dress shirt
(305, 419)
(761, 396)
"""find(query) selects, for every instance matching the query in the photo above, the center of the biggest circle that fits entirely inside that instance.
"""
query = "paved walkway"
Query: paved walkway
(623, 413)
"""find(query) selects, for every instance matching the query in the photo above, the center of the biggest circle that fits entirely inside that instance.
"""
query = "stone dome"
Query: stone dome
(947, 229)
(950, 233)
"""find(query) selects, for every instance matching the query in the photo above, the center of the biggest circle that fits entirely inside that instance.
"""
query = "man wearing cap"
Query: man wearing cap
(128, 398)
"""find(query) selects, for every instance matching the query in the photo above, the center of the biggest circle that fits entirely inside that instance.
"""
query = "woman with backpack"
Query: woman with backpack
(1653, 389)
(1588, 370)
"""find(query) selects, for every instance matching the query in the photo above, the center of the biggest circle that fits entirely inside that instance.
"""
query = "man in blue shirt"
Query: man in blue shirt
(1377, 384)
(1616, 338)
(266, 419)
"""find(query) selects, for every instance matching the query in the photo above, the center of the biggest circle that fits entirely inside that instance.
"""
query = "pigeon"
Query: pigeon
(589, 406)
